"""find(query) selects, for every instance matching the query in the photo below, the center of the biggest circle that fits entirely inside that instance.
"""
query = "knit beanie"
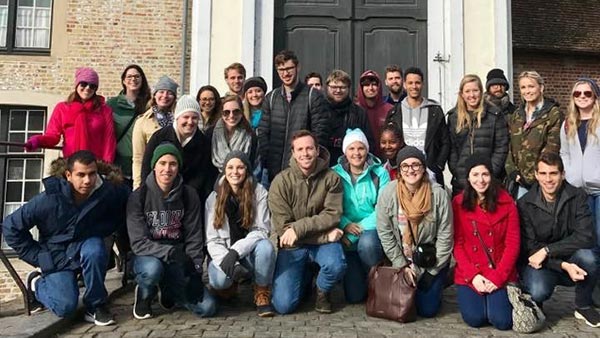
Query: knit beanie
(496, 76)
(475, 160)
(240, 155)
(592, 84)
(408, 152)
(165, 83)
(86, 74)
(257, 81)
(186, 103)
(163, 149)
(353, 135)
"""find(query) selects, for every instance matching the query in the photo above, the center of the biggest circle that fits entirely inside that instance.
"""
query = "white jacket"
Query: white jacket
(581, 169)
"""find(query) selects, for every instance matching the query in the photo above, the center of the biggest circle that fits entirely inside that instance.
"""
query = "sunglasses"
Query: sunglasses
(92, 86)
(587, 93)
(234, 112)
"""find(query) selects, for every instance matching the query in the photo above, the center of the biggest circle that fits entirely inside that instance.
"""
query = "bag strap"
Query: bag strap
(412, 234)
(126, 128)
(485, 249)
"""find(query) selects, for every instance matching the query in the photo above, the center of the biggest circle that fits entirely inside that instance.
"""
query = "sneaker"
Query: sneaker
(142, 308)
(262, 299)
(589, 315)
(100, 317)
(165, 302)
(34, 305)
(322, 304)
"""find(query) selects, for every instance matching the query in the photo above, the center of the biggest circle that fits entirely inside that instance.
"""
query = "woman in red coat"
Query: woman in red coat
(485, 219)
(84, 121)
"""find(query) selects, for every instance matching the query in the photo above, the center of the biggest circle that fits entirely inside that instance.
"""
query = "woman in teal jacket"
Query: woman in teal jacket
(363, 177)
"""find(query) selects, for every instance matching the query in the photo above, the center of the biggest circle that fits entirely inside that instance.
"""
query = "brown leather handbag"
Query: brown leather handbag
(391, 296)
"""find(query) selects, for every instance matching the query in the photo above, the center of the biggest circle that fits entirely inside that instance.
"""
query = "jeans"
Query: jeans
(540, 283)
(594, 203)
(478, 310)
(184, 287)
(290, 267)
(429, 300)
(368, 253)
(59, 292)
(261, 261)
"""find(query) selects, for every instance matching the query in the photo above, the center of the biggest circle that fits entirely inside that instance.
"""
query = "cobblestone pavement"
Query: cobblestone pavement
(238, 319)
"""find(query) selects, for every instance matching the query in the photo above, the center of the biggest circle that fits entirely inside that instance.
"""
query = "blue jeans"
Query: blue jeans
(290, 267)
(58, 291)
(368, 253)
(540, 283)
(261, 261)
(478, 310)
(594, 203)
(429, 300)
(185, 288)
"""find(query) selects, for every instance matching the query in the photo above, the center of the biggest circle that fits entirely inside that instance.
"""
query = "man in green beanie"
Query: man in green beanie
(165, 229)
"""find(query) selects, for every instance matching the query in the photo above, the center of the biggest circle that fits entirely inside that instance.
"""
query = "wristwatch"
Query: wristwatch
(547, 250)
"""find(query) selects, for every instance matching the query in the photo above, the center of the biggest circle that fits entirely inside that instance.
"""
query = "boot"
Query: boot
(262, 299)
(226, 294)
(322, 304)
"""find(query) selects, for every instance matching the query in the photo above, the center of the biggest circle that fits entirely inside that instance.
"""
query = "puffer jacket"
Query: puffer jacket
(491, 139)
(360, 198)
(499, 231)
(281, 119)
(436, 227)
(311, 205)
(218, 240)
(526, 144)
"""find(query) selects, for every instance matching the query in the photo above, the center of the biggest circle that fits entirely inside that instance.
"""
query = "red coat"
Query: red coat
(82, 129)
(500, 233)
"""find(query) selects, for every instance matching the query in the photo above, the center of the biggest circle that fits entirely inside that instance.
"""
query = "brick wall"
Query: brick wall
(8, 288)
(559, 71)
(106, 35)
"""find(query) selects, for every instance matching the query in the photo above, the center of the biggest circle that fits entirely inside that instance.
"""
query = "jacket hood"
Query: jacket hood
(322, 163)
(176, 189)
(549, 103)
(359, 93)
(107, 171)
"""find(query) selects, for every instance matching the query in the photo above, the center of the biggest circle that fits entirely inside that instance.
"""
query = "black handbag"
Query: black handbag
(424, 255)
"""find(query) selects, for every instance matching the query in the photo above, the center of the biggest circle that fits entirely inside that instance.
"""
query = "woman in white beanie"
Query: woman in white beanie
(160, 114)
(363, 177)
(196, 169)
(232, 132)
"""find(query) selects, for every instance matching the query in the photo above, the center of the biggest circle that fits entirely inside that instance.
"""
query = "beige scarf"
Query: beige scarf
(415, 206)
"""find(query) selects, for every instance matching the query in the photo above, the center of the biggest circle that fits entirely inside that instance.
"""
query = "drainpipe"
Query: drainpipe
(186, 5)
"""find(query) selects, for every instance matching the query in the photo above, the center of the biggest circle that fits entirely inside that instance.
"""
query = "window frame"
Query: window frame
(11, 33)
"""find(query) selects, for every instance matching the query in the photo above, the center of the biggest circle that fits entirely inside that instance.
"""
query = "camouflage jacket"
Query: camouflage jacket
(528, 142)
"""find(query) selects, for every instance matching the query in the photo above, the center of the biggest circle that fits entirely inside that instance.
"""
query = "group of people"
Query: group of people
(308, 183)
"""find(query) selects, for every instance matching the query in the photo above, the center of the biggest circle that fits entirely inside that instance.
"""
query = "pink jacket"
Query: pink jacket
(81, 128)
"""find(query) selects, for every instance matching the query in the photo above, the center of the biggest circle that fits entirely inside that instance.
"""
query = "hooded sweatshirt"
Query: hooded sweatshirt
(378, 112)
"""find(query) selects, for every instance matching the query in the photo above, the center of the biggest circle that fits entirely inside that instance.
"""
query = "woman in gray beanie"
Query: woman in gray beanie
(160, 114)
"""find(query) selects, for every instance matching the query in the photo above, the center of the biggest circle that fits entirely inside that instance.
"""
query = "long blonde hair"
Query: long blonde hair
(574, 117)
(463, 120)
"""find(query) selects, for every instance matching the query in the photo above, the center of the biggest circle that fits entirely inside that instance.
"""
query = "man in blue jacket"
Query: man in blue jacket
(73, 215)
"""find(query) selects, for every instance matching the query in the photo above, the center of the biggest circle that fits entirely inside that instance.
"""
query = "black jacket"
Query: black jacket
(564, 230)
(437, 143)
(281, 119)
(344, 115)
(491, 138)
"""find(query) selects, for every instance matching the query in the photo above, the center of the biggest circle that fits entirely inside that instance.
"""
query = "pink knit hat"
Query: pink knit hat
(86, 74)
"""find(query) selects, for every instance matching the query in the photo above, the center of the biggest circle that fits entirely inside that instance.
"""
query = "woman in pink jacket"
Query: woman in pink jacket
(84, 121)
(486, 246)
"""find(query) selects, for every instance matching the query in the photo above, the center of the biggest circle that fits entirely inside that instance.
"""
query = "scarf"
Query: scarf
(164, 118)
(221, 147)
(83, 109)
(415, 207)
(234, 218)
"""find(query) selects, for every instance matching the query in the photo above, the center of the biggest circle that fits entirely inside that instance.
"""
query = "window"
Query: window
(25, 26)
(21, 172)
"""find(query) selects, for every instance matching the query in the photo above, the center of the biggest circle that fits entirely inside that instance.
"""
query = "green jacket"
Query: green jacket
(435, 228)
(542, 135)
(123, 112)
(311, 205)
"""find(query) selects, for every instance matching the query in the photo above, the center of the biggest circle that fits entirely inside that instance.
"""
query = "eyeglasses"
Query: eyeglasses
(234, 112)
(587, 93)
(286, 69)
(92, 86)
(341, 88)
(133, 77)
(414, 167)
(207, 99)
